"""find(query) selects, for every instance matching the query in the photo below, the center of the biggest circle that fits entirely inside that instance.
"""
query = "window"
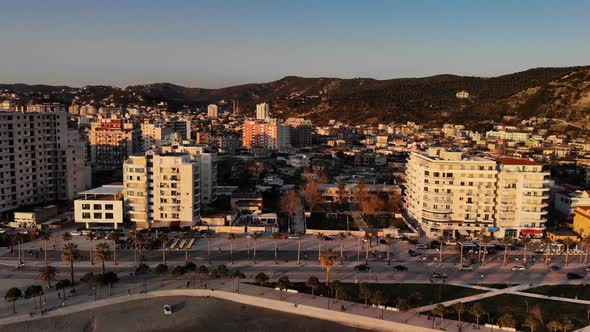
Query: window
(108, 206)
(97, 207)
(97, 215)
(85, 215)
(85, 206)
(108, 215)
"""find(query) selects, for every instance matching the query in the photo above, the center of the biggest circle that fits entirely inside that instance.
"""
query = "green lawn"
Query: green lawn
(516, 305)
(581, 292)
(417, 295)
(332, 222)
(384, 221)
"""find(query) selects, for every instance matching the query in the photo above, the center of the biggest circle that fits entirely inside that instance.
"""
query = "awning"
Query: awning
(463, 232)
(531, 231)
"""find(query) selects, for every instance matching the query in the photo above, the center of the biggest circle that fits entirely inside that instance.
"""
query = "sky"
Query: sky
(220, 43)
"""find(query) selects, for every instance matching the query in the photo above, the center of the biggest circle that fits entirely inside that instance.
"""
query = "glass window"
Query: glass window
(85, 215)
(108, 215)
(97, 207)
(108, 206)
(85, 206)
(97, 215)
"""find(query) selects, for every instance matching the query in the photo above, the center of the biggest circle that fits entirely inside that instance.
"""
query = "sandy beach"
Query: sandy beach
(190, 314)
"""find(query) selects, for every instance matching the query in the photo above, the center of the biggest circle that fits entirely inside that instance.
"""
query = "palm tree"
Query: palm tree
(255, 237)
(442, 240)
(45, 237)
(312, 283)
(547, 241)
(164, 239)
(477, 311)
(586, 241)
(320, 237)
(506, 241)
(525, 241)
(102, 253)
(327, 260)
(365, 292)
(377, 299)
(12, 295)
(188, 235)
(342, 236)
(568, 242)
(506, 320)
(69, 255)
(231, 237)
(261, 278)
(554, 326)
(67, 237)
(440, 310)
(47, 274)
(299, 237)
(283, 283)
(485, 240)
(237, 275)
(459, 308)
(162, 269)
(90, 237)
(276, 236)
(368, 237)
(202, 271)
(389, 240)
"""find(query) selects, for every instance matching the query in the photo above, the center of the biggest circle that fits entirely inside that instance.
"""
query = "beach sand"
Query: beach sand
(190, 314)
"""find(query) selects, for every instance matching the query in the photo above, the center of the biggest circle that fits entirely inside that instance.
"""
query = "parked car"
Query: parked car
(554, 268)
(362, 267)
(451, 242)
(400, 268)
(382, 241)
(167, 309)
(293, 237)
(75, 233)
(422, 246)
(438, 275)
(587, 269)
(466, 268)
(414, 253)
(518, 268)
(573, 276)
(328, 238)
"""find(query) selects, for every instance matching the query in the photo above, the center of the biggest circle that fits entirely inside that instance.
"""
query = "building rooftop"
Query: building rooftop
(516, 161)
(104, 190)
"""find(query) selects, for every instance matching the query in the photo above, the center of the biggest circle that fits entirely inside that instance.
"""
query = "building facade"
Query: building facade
(212, 111)
(270, 135)
(100, 208)
(112, 141)
(300, 132)
(262, 111)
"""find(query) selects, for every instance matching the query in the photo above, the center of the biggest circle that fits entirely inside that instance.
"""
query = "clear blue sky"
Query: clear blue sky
(223, 42)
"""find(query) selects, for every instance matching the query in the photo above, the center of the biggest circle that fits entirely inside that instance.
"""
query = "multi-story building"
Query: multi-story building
(270, 135)
(212, 111)
(567, 201)
(182, 127)
(77, 165)
(162, 190)
(301, 131)
(207, 160)
(450, 194)
(112, 141)
(262, 111)
(153, 134)
(32, 158)
(100, 208)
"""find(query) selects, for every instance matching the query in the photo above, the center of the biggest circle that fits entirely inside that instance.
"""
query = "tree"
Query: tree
(276, 236)
(313, 283)
(341, 294)
(142, 269)
(365, 292)
(34, 291)
(299, 237)
(67, 237)
(320, 236)
(283, 284)
(62, 284)
(537, 313)
(12, 295)
(442, 239)
(506, 320)
(164, 239)
(255, 237)
(531, 323)
(90, 237)
(403, 305)
(554, 326)
(547, 241)
(202, 271)
(361, 194)
(261, 278)
(47, 274)
(221, 271)
(178, 271)
(568, 243)
(477, 311)
(377, 299)
(102, 253)
(69, 255)
(288, 205)
(459, 308)
(231, 237)
(506, 241)
(567, 325)
(342, 236)
(525, 241)
(311, 194)
(485, 240)
(327, 260)
(162, 269)
(237, 275)
(439, 310)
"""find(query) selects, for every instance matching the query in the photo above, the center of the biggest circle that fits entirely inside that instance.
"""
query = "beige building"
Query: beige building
(112, 140)
(153, 134)
(162, 190)
(100, 208)
(450, 194)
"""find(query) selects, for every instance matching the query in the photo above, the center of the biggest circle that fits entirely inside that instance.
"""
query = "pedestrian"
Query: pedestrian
(219, 250)
(188, 284)
(59, 295)
(128, 291)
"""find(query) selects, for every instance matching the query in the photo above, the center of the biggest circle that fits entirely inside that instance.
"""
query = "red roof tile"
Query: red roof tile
(516, 161)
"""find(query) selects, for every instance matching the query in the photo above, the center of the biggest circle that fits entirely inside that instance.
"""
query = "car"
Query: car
(383, 241)
(422, 246)
(414, 253)
(466, 268)
(451, 243)
(167, 309)
(400, 268)
(438, 275)
(587, 269)
(518, 268)
(573, 276)
(293, 237)
(328, 238)
(86, 232)
(75, 233)
(554, 268)
(362, 267)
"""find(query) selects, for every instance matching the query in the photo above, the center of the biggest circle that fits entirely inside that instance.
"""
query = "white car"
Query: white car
(466, 268)
(518, 268)
(167, 309)
(293, 237)
(75, 233)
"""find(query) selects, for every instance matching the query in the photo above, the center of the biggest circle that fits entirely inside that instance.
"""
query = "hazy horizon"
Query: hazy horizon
(212, 44)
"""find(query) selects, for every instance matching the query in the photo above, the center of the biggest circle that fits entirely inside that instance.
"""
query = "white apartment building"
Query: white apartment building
(509, 135)
(162, 190)
(32, 158)
(78, 171)
(450, 195)
(566, 202)
(207, 160)
(212, 111)
(262, 111)
(100, 208)
(154, 134)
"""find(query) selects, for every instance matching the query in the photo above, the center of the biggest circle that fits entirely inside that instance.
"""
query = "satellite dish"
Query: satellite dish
(462, 94)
